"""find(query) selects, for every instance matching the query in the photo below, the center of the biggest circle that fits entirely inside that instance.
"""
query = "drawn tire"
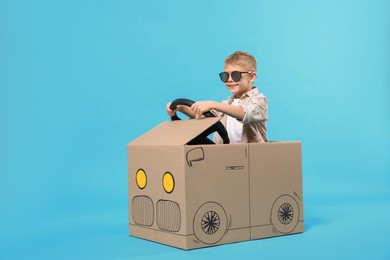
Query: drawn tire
(210, 223)
(285, 214)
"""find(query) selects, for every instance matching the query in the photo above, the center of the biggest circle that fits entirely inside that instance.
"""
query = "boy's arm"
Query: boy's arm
(201, 107)
(186, 110)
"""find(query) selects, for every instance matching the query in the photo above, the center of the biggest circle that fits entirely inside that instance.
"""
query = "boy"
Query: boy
(244, 114)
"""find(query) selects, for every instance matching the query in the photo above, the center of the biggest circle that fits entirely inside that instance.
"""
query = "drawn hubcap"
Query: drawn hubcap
(210, 222)
(285, 213)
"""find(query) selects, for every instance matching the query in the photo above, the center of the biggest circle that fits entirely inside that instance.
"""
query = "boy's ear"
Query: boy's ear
(253, 76)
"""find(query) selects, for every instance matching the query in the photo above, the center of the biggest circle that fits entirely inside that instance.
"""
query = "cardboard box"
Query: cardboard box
(193, 196)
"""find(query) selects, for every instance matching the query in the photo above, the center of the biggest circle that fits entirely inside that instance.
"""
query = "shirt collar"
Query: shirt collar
(251, 92)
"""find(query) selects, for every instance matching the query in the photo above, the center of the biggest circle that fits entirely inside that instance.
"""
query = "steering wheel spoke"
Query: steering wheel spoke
(202, 138)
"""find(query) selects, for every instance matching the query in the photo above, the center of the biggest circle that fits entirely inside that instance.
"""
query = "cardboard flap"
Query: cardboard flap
(177, 132)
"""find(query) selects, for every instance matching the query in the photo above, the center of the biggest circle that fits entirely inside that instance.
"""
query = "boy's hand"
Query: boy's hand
(201, 107)
(196, 110)
(169, 111)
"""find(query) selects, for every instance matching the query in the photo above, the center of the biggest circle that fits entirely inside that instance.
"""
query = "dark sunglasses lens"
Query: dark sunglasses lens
(236, 75)
(224, 76)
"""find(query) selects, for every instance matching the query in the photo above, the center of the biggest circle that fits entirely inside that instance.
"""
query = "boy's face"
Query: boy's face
(243, 85)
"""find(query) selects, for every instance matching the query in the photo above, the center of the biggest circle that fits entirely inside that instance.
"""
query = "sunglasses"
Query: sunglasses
(236, 75)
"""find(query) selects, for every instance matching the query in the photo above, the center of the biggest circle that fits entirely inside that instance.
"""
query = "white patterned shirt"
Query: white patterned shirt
(255, 106)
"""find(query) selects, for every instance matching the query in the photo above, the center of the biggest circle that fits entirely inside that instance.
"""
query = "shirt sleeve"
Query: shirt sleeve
(256, 109)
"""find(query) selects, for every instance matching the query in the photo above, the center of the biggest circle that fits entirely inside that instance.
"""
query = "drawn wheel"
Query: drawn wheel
(210, 223)
(285, 214)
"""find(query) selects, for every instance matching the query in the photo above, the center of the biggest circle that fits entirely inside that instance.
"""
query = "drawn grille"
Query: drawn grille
(142, 211)
(168, 215)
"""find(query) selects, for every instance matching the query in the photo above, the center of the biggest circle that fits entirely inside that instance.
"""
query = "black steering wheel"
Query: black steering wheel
(202, 138)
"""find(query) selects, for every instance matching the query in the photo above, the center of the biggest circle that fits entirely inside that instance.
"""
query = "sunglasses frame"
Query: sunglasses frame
(226, 75)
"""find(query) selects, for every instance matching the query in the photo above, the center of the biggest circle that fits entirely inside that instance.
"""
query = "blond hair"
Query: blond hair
(243, 59)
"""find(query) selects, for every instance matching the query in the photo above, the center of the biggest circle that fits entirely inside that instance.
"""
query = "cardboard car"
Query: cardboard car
(198, 195)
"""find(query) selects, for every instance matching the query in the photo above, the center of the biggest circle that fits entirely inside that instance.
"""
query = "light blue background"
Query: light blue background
(80, 79)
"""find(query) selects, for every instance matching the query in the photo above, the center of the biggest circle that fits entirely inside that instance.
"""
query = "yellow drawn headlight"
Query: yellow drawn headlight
(141, 179)
(168, 182)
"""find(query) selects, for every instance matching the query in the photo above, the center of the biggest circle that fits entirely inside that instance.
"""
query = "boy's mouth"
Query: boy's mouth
(232, 86)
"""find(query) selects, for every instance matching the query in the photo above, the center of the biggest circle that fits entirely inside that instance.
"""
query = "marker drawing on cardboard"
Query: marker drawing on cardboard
(195, 155)
(186, 192)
